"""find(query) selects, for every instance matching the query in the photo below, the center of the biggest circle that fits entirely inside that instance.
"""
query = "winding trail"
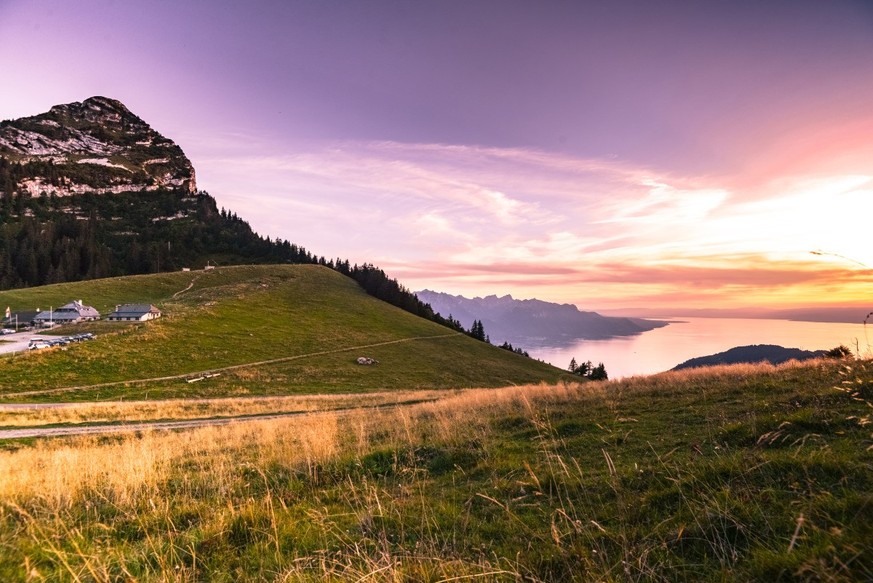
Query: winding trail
(219, 370)
(190, 285)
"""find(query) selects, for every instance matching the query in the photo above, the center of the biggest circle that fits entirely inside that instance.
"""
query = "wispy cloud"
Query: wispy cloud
(485, 220)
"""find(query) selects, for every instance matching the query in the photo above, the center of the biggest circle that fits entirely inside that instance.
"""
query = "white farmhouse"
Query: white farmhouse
(134, 313)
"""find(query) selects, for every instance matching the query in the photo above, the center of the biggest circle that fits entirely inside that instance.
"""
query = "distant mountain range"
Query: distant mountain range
(752, 354)
(508, 319)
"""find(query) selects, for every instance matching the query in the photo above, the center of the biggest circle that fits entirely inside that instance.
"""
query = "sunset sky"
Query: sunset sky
(644, 154)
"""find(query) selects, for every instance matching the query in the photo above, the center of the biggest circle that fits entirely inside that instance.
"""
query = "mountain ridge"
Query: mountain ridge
(508, 319)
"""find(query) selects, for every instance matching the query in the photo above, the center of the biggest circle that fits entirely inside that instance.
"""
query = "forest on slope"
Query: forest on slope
(50, 239)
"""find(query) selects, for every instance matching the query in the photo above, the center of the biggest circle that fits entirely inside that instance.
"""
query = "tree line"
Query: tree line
(588, 370)
(49, 239)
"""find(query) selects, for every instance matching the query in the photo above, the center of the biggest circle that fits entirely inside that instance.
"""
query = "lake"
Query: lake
(663, 348)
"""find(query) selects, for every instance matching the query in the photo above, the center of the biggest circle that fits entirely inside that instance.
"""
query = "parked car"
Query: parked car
(6, 331)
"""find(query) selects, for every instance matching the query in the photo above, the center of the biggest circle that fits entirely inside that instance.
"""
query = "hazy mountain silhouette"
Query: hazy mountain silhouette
(508, 319)
(755, 353)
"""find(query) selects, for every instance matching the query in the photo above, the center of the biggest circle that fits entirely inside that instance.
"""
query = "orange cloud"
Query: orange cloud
(478, 221)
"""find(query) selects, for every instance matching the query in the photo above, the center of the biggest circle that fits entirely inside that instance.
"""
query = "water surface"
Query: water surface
(663, 348)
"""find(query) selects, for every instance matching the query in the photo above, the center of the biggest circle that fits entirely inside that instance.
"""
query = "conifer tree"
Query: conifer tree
(598, 373)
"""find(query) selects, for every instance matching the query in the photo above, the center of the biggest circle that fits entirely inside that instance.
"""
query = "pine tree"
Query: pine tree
(477, 331)
(598, 373)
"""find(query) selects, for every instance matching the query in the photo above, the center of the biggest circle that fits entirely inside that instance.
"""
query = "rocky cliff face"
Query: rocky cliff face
(97, 145)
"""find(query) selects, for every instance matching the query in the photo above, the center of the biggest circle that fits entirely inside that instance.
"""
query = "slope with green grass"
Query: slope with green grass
(735, 473)
(265, 329)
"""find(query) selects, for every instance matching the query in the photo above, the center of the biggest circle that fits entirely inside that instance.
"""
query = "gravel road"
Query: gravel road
(128, 427)
(18, 342)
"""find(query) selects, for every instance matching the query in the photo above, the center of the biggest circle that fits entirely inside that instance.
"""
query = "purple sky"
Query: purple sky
(609, 154)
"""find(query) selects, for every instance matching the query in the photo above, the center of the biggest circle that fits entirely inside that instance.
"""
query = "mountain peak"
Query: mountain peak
(104, 102)
(97, 145)
(496, 298)
(97, 103)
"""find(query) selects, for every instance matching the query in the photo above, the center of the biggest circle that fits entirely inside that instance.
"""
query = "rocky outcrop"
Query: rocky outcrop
(97, 145)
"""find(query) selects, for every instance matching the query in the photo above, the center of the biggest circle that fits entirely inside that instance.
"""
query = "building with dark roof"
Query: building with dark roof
(70, 313)
(134, 313)
(20, 319)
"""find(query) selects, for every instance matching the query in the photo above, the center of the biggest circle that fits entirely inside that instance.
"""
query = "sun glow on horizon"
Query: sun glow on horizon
(572, 151)
(479, 221)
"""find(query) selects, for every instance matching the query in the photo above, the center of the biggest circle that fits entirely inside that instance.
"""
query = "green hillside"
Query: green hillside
(309, 321)
(740, 473)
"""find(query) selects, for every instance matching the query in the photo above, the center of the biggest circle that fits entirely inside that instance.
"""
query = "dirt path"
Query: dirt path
(118, 428)
(218, 370)
(124, 427)
(138, 426)
(190, 285)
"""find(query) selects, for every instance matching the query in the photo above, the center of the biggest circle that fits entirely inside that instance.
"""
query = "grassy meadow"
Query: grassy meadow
(730, 473)
(267, 330)
(107, 412)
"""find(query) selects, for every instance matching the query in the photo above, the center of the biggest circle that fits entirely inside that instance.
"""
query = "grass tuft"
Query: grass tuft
(747, 473)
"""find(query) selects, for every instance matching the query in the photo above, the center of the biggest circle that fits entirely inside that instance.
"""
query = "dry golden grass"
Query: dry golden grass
(366, 494)
(63, 471)
(60, 470)
(714, 374)
(179, 409)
